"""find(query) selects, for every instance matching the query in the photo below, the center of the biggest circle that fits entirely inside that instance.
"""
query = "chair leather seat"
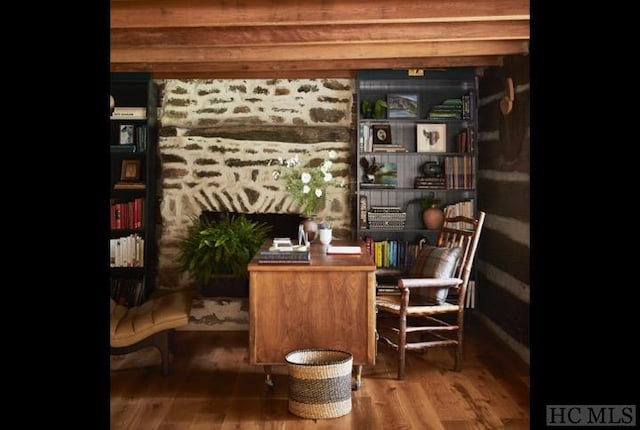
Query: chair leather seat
(131, 325)
(392, 304)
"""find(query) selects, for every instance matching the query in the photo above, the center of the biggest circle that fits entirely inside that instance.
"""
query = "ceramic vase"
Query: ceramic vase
(433, 218)
(310, 227)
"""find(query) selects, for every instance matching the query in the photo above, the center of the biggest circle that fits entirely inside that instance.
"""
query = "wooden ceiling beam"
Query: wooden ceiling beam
(294, 69)
(331, 34)
(300, 38)
(200, 13)
(316, 52)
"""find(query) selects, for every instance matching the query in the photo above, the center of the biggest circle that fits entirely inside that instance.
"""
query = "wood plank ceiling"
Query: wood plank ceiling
(315, 38)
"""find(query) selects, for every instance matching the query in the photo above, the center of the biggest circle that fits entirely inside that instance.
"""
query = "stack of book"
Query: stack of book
(283, 251)
(386, 217)
(448, 109)
(426, 183)
(129, 112)
(389, 147)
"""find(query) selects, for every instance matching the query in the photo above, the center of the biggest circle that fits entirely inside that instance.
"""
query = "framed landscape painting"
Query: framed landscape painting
(402, 105)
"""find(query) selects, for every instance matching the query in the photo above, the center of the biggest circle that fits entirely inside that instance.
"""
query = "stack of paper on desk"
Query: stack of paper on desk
(344, 250)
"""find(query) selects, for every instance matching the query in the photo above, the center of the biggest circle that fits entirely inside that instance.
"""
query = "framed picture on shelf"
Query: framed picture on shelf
(402, 105)
(431, 137)
(381, 134)
(126, 134)
(386, 175)
(130, 171)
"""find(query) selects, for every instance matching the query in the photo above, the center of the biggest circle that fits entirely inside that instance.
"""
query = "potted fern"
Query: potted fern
(219, 251)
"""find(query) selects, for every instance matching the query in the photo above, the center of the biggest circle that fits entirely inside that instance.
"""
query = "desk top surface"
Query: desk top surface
(320, 261)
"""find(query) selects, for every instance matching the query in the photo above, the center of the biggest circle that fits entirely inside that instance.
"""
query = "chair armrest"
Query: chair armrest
(428, 282)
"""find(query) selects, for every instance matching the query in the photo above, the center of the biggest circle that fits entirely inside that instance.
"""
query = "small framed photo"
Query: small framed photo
(402, 105)
(381, 134)
(431, 137)
(130, 171)
(126, 134)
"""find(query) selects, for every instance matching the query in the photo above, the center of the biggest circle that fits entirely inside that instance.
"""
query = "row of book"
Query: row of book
(463, 208)
(127, 292)
(459, 171)
(392, 253)
(127, 251)
(466, 140)
(127, 215)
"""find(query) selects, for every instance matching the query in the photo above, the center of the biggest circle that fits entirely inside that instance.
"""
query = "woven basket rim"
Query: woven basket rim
(348, 356)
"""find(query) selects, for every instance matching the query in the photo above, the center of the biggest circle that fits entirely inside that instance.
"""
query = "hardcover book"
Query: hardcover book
(273, 256)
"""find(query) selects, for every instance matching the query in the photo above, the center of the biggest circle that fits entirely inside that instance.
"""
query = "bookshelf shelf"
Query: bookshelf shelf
(133, 143)
(444, 98)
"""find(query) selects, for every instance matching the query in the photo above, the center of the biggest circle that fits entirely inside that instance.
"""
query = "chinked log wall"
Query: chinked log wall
(218, 142)
(504, 166)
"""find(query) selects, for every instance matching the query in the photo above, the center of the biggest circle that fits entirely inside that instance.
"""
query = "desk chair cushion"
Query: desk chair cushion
(435, 262)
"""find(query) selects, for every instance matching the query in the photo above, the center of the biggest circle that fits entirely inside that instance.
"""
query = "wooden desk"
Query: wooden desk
(329, 303)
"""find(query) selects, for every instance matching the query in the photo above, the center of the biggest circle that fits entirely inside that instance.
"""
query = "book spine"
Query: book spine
(363, 212)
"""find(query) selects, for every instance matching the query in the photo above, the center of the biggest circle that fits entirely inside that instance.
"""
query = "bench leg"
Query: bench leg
(159, 340)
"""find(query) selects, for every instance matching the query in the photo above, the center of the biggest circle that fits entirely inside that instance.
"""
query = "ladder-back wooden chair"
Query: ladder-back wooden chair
(429, 311)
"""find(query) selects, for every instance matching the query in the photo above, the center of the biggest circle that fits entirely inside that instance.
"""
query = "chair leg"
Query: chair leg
(457, 357)
(457, 365)
(402, 347)
(172, 341)
(161, 341)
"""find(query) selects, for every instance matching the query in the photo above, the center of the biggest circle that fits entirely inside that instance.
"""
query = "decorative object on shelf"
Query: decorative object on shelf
(433, 176)
(377, 111)
(130, 170)
(380, 109)
(432, 214)
(431, 137)
(307, 183)
(381, 134)
(369, 169)
(402, 105)
(432, 169)
(379, 175)
(126, 134)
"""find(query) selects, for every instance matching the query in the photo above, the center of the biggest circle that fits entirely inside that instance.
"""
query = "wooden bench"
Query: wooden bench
(150, 324)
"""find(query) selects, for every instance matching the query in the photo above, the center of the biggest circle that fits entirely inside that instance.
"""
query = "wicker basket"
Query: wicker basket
(319, 382)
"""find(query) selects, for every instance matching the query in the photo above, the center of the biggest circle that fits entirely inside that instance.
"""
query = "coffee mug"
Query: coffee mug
(325, 236)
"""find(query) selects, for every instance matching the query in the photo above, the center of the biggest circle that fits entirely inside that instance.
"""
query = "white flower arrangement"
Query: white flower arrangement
(307, 184)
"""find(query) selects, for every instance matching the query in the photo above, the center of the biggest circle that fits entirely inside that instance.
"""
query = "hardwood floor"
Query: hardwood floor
(212, 386)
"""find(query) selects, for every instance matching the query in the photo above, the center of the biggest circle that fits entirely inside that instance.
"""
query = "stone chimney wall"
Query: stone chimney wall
(220, 141)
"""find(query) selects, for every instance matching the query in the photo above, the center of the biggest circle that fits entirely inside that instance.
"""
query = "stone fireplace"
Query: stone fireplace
(219, 140)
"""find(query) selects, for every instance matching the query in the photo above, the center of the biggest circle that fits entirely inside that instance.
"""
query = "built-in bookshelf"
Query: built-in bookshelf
(133, 154)
(422, 144)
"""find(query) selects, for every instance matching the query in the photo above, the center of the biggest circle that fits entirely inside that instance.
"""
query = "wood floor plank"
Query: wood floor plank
(482, 409)
(502, 404)
(211, 385)
(449, 402)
